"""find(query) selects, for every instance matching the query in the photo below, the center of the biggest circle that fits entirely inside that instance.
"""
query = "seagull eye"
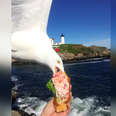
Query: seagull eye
(57, 69)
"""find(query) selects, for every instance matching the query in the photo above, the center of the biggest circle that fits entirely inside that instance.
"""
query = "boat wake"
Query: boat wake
(79, 107)
(29, 83)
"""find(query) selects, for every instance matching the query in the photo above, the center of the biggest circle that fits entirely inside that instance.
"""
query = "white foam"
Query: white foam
(79, 107)
(14, 78)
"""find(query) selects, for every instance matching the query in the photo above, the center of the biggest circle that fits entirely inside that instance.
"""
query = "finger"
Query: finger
(70, 87)
(68, 107)
(62, 113)
(70, 96)
(51, 101)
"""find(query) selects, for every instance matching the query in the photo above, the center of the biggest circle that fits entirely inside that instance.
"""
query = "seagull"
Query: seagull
(29, 33)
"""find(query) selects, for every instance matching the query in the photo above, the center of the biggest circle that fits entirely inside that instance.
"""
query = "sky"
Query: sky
(81, 21)
(113, 25)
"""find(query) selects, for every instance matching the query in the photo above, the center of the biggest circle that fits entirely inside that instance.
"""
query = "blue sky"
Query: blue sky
(113, 24)
(82, 21)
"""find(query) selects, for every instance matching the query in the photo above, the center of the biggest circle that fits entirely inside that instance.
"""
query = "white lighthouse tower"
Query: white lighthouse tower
(62, 39)
(52, 41)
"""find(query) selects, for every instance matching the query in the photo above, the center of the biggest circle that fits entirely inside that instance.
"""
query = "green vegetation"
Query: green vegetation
(78, 48)
(75, 49)
(50, 86)
(72, 51)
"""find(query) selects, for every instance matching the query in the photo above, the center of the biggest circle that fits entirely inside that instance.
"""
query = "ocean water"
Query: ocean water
(90, 87)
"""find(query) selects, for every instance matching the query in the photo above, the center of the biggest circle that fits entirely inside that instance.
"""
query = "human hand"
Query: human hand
(49, 109)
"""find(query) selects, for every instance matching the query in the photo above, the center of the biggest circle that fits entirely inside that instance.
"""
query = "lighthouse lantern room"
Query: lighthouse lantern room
(62, 39)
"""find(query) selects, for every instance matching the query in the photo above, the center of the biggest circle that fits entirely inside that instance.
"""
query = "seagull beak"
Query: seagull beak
(59, 70)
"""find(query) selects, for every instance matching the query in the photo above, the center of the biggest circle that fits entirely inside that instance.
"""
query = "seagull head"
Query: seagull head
(54, 61)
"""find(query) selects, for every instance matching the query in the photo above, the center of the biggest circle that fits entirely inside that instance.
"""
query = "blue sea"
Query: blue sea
(91, 86)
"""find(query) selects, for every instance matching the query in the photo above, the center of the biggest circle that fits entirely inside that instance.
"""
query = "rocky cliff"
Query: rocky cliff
(78, 52)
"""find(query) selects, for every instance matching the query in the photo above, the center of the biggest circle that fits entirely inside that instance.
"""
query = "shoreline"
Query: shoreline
(71, 53)
(20, 62)
(86, 60)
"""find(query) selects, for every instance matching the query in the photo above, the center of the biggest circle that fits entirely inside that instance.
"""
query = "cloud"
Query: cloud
(104, 43)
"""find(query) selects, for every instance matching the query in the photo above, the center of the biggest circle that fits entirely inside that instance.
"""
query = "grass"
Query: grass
(78, 48)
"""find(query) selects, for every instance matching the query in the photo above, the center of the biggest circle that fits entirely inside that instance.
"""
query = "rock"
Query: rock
(14, 94)
(15, 113)
(67, 56)
(20, 113)
(106, 52)
(80, 55)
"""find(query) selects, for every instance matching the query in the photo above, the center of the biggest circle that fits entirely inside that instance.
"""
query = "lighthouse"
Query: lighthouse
(52, 41)
(62, 39)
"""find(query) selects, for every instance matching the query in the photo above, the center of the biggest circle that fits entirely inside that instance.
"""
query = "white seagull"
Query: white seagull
(29, 36)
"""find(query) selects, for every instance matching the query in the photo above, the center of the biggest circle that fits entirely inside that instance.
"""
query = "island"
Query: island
(77, 53)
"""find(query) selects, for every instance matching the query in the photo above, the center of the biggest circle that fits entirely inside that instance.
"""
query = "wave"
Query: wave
(16, 82)
(14, 78)
(79, 107)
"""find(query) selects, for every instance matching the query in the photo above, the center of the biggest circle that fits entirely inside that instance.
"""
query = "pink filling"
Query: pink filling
(61, 85)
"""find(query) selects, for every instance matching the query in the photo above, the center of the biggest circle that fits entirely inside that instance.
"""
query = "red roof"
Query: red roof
(57, 49)
(52, 38)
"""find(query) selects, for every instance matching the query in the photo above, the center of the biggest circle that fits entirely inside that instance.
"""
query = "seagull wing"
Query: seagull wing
(30, 20)
(28, 14)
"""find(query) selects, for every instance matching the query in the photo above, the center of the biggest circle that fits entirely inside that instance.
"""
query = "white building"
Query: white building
(52, 41)
(62, 41)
